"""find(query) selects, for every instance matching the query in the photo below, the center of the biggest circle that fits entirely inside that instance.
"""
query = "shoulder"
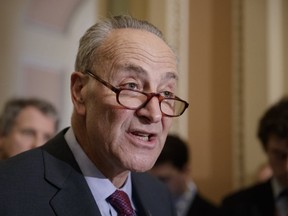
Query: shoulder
(249, 194)
(20, 164)
(21, 180)
(26, 168)
(203, 206)
(257, 198)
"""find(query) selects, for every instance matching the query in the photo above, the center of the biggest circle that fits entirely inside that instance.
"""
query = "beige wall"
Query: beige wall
(235, 73)
(31, 47)
(210, 94)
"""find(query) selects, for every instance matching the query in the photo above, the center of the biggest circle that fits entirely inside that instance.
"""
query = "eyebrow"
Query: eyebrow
(141, 71)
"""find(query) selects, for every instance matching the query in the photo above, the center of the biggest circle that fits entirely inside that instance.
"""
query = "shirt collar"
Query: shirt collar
(276, 187)
(184, 201)
(100, 186)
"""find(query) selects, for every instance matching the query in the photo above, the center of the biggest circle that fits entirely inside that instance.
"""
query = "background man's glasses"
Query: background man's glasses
(133, 99)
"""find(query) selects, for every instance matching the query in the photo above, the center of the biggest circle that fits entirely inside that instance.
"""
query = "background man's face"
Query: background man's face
(172, 177)
(277, 151)
(31, 129)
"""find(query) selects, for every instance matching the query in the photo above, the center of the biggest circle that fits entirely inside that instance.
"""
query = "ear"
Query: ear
(78, 92)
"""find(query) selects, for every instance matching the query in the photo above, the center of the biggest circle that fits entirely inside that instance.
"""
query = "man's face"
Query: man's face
(172, 177)
(31, 129)
(277, 151)
(120, 139)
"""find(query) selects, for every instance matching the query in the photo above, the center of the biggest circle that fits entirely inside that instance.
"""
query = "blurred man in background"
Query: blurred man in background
(26, 124)
(172, 167)
(271, 197)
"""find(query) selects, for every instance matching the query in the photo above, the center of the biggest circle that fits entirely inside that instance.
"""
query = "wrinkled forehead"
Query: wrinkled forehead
(137, 37)
(137, 47)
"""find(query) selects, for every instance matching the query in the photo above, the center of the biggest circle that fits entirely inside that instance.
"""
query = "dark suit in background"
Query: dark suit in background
(266, 198)
(256, 200)
(201, 207)
(48, 181)
(172, 167)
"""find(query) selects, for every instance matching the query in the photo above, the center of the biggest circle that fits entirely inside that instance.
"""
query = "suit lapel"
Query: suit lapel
(150, 196)
(267, 199)
(263, 201)
(138, 195)
(73, 196)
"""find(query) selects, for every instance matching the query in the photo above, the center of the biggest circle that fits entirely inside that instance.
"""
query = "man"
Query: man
(26, 123)
(271, 197)
(172, 167)
(123, 95)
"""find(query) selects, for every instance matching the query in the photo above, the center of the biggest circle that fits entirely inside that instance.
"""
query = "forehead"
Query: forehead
(137, 47)
(32, 115)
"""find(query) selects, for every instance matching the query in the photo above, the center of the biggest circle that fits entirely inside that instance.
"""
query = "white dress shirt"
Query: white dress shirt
(184, 201)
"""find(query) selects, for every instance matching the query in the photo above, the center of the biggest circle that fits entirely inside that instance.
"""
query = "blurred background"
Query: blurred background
(233, 65)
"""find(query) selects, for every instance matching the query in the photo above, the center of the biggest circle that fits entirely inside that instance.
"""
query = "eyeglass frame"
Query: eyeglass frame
(148, 95)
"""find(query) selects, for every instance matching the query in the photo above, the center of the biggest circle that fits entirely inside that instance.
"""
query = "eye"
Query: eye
(27, 132)
(167, 94)
(130, 85)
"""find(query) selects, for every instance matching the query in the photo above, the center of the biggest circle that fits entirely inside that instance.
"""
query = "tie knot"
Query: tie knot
(121, 203)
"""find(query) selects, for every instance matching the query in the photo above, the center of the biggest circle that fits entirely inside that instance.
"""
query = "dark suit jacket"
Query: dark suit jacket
(256, 200)
(48, 181)
(202, 207)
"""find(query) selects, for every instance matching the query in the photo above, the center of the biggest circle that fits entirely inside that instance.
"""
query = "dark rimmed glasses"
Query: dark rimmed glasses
(134, 99)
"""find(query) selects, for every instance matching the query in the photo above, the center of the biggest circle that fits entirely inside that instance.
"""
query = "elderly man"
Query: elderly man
(123, 91)
(26, 123)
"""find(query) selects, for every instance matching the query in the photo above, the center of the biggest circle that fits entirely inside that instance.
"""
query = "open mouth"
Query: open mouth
(142, 135)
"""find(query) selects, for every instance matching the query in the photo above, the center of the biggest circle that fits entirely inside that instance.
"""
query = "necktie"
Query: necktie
(121, 203)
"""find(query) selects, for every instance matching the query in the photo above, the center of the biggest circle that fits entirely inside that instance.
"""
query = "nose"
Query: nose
(151, 110)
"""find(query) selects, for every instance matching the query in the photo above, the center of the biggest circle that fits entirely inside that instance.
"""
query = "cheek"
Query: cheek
(167, 123)
(107, 123)
(15, 144)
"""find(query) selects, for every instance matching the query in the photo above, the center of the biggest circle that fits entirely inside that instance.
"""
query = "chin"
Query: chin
(140, 167)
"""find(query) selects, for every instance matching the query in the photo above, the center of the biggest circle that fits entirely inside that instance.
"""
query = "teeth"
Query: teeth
(141, 136)
(146, 138)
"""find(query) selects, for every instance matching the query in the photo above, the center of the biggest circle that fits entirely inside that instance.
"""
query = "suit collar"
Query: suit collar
(263, 194)
(72, 194)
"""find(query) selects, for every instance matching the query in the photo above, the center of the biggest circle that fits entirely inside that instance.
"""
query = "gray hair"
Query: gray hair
(14, 106)
(95, 35)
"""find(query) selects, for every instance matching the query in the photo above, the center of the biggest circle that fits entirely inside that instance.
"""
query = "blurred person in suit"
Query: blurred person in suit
(268, 198)
(172, 167)
(26, 123)
(123, 93)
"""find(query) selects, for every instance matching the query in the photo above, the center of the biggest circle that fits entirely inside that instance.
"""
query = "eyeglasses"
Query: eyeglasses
(133, 99)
